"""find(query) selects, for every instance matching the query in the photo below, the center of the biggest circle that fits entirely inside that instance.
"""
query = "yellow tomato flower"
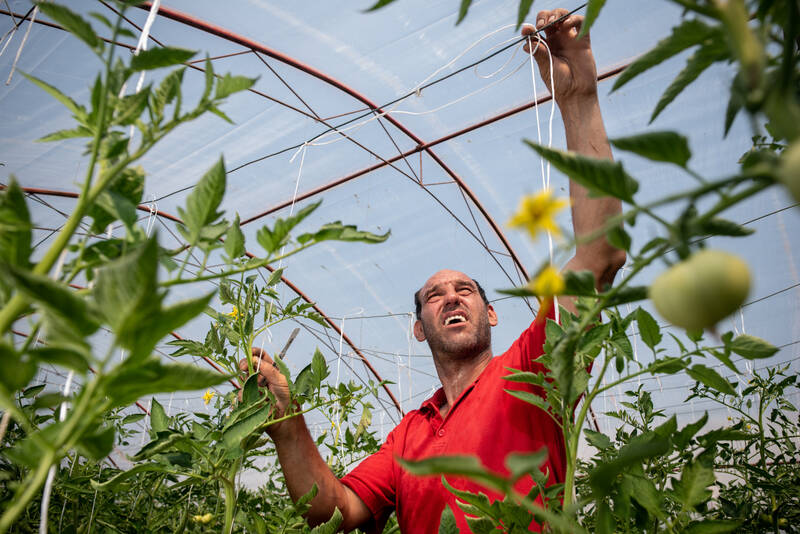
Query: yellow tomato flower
(208, 396)
(234, 313)
(537, 212)
(547, 283)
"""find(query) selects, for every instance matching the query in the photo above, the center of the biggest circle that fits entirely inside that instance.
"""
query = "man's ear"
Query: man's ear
(419, 333)
(492, 315)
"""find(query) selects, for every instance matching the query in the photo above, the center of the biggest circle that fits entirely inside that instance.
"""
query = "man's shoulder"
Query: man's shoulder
(524, 349)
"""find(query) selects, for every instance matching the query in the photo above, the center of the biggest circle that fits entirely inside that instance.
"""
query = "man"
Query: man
(470, 414)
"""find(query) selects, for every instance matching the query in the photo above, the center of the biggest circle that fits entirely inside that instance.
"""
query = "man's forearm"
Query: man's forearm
(583, 124)
(303, 467)
(586, 135)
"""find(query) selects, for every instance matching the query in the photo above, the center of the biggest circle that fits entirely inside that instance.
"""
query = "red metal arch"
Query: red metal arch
(254, 45)
(289, 283)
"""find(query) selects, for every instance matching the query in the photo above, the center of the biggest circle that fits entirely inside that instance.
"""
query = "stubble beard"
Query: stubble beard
(464, 347)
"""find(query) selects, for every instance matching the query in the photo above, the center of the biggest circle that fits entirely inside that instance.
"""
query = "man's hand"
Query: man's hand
(303, 467)
(269, 376)
(574, 71)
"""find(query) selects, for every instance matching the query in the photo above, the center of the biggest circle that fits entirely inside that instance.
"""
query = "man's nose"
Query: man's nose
(451, 297)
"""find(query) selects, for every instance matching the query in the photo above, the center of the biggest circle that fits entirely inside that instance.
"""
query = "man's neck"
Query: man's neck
(456, 374)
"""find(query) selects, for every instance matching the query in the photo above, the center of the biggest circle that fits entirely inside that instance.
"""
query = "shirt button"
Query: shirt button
(441, 432)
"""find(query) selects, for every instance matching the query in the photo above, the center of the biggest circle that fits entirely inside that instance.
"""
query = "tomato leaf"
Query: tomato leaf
(752, 347)
(648, 328)
(272, 239)
(601, 176)
(710, 378)
(592, 11)
(468, 466)
(162, 56)
(203, 201)
(670, 147)
(691, 490)
(229, 84)
(522, 12)
(234, 240)
(686, 35)
(15, 227)
(703, 58)
(73, 23)
(128, 383)
(158, 417)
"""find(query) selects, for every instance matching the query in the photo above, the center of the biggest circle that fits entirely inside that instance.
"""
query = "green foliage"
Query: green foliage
(601, 177)
(652, 476)
(185, 476)
(657, 146)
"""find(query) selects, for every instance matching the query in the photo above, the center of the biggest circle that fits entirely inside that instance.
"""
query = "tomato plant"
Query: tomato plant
(55, 443)
(653, 476)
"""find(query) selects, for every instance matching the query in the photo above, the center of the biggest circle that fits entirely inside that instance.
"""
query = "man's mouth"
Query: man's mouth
(455, 319)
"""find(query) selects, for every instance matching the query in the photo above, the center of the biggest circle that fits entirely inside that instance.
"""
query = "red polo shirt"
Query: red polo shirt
(485, 421)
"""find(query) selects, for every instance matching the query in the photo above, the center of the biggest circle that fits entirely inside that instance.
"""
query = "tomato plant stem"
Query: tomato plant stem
(31, 484)
(230, 503)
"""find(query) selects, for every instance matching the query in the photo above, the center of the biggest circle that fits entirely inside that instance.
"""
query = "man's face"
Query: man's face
(454, 318)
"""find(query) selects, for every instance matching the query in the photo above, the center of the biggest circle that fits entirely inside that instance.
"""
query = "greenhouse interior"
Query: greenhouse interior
(166, 164)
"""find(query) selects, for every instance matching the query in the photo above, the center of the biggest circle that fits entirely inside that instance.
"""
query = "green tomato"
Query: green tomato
(699, 292)
(789, 169)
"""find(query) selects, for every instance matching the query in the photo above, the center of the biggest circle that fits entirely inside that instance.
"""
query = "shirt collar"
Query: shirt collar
(435, 402)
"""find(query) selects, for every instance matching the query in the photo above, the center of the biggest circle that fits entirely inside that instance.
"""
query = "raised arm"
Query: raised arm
(300, 459)
(575, 80)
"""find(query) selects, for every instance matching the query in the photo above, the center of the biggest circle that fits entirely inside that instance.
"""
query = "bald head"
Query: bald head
(439, 275)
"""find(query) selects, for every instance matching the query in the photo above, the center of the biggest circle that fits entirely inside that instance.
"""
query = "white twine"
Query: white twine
(21, 45)
(10, 34)
(302, 151)
(545, 168)
(747, 363)
(504, 65)
(151, 218)
(91, 514)
(339, 364)
(142, 45)
(410, 333)
(51, 474)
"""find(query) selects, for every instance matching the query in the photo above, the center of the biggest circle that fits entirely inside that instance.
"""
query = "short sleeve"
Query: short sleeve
(373, 480)
(528, 347)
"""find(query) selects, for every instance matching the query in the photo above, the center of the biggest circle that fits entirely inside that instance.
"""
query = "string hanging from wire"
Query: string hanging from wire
(301, 151)
(544, 167)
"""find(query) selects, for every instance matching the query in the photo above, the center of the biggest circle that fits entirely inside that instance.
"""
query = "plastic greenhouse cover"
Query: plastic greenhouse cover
(367, 290)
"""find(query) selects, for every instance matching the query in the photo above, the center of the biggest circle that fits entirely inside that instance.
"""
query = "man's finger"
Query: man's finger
(573, 21)
(261, 358)
(259, 353)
